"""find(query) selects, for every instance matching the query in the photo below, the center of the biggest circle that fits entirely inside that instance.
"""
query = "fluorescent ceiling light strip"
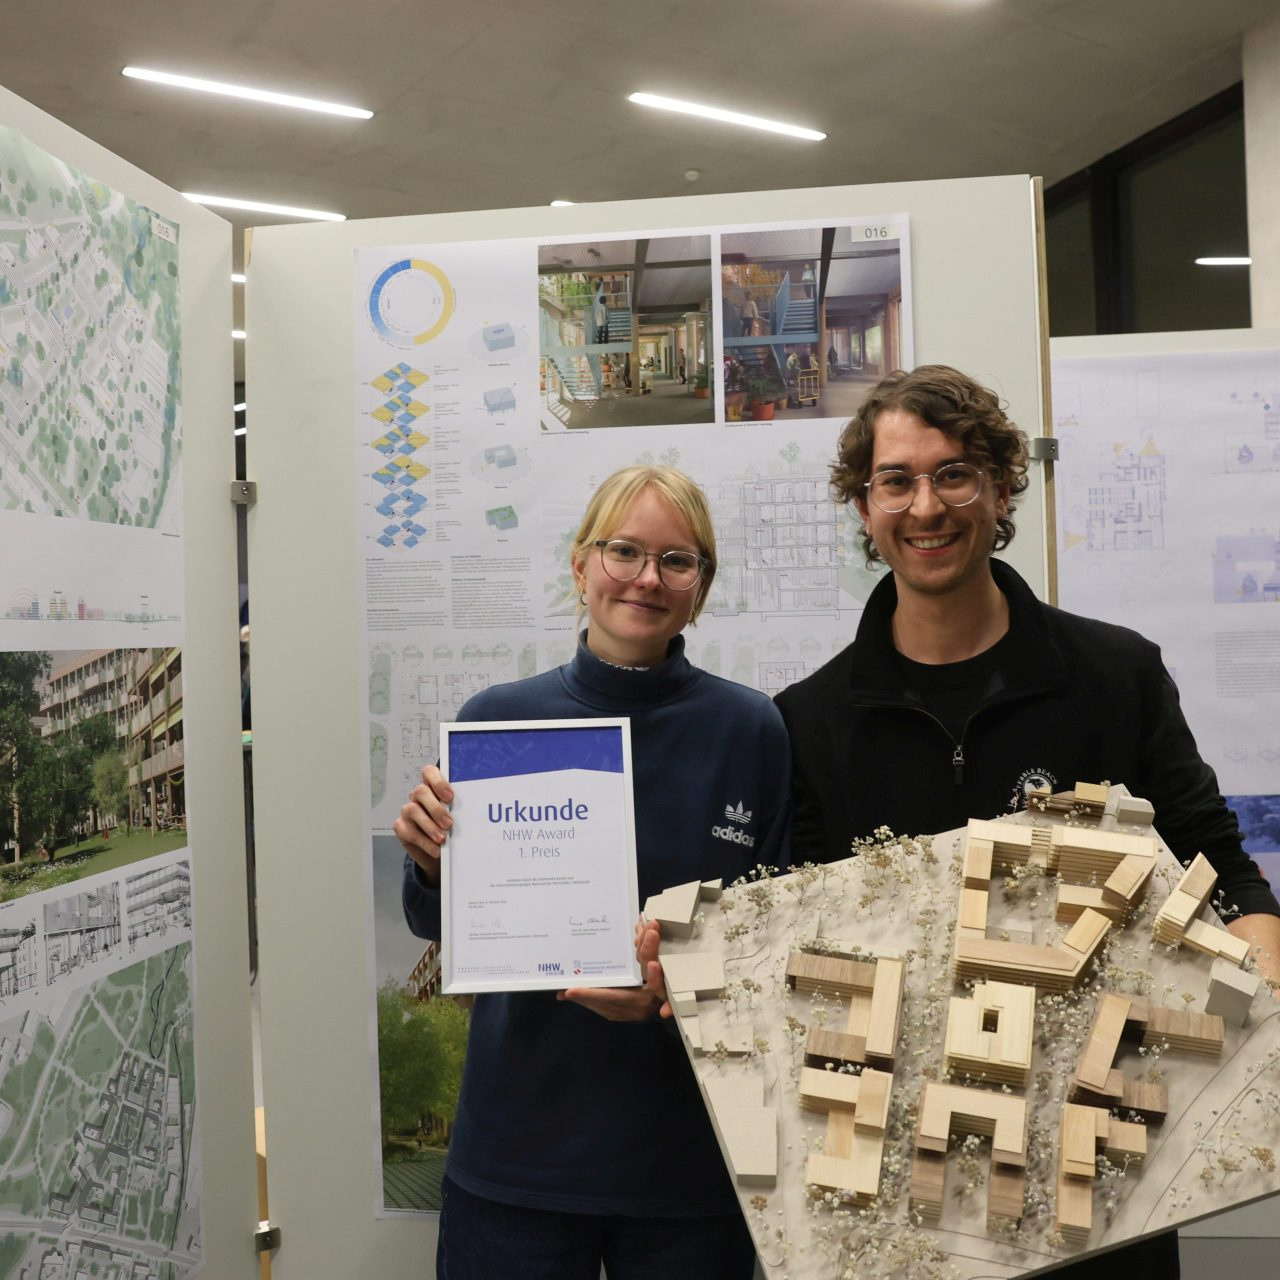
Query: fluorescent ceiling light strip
(261, 206)
(560, 204)
(728, 117)
(242, 91)
(237, 277)
(1224, 262)
(238, 334)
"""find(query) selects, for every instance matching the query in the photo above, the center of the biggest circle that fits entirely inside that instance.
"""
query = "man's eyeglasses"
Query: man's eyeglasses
(956, 483)
(625, 561)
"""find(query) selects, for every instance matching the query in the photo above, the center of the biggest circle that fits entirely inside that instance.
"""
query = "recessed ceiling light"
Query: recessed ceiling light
(1224, 262)
(237, 277)
(242, 91)
(261, 206)
(560, 204)
(728, 117)
(238, 334)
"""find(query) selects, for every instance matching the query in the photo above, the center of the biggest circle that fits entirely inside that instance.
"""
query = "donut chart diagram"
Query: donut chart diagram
(411, 302)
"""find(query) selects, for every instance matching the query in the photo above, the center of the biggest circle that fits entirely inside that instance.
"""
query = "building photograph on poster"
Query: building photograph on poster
(421, 1044)
(91, 763)
(813, 317)
(625, 332)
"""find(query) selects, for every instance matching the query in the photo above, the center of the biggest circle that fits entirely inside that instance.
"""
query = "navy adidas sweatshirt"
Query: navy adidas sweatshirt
(561, 1109)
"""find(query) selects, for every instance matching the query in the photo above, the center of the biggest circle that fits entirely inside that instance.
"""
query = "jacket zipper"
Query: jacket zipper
(957, 754)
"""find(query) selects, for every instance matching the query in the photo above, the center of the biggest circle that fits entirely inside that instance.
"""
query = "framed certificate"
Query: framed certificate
(538, 878)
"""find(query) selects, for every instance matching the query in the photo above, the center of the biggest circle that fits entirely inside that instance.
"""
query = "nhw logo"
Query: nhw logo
(554, 967)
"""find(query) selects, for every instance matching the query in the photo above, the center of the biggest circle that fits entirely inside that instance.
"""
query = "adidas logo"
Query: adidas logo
(734, 836)
(739, 815)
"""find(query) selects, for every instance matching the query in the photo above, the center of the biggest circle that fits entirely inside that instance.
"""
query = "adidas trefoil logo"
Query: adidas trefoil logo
(739, 815)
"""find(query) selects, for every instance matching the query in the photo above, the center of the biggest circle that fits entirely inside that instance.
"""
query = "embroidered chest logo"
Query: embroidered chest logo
(741, 817)
(1030, 780)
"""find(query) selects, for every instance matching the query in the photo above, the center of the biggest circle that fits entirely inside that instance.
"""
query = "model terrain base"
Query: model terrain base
(984, 1052)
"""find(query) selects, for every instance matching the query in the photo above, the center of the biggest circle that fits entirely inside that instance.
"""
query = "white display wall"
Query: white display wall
(319, 372)
(119, 545)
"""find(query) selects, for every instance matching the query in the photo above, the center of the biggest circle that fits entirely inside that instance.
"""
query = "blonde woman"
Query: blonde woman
(581, 1138)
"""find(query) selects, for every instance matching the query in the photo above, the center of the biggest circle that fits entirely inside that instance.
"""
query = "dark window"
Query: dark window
(1122, 236)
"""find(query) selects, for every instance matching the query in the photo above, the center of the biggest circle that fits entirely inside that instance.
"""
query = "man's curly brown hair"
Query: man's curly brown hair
(952, 402)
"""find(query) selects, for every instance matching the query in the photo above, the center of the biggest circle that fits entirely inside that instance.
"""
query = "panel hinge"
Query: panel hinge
(266, 1237)
(1043, 448)
(244, 493)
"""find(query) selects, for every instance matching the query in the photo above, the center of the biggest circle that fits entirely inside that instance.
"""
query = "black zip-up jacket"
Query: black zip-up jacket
(1071, 699)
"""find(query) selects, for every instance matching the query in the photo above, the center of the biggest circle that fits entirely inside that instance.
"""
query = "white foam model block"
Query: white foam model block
(711, 890)
(691, 1030)
(675, 908)
(751, 1136)
(735, 1091)
(684, 1004)
(1135, 809)
(1231, 992)
(701, 972)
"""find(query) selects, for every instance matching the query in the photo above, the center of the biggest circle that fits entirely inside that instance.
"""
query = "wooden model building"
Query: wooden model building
(1178, 921)
(990, 845)
(857, 1111)
(845, 1077)
(874, 992)
(1097, 1082)
(989, 1033)
(1085, 1133)
(1089, 799)
(947, 1110)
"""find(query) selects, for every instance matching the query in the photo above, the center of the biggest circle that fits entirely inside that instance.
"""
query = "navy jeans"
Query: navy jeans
(481, 1239)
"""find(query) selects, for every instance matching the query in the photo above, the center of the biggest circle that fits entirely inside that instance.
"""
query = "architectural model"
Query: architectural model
(977, 1053)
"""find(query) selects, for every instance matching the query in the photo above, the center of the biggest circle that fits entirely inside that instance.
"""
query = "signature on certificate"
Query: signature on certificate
(578, 924)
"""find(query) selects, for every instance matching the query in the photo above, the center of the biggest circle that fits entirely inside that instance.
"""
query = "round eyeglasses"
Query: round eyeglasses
(956, 483)
(624, 561)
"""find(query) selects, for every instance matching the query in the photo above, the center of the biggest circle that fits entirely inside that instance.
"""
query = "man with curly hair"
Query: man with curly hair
(962, 691)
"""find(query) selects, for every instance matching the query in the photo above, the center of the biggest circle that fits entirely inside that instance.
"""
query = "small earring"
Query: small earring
(582, 597)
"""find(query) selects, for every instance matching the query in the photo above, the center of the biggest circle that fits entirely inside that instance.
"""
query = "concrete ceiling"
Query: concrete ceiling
(486, 104)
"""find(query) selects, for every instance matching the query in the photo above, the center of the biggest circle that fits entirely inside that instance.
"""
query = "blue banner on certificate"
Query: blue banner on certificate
(539, 875)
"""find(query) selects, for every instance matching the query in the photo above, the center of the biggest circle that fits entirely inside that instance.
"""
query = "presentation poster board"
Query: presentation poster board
(497, 383)
(114, 1154)
(1168, 522)
(456, 345)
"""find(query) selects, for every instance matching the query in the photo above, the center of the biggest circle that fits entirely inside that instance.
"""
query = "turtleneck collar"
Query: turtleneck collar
(601, 684)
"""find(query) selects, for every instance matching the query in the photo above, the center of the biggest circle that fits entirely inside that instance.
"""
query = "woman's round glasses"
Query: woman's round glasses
(956, 483)
(624, 561)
